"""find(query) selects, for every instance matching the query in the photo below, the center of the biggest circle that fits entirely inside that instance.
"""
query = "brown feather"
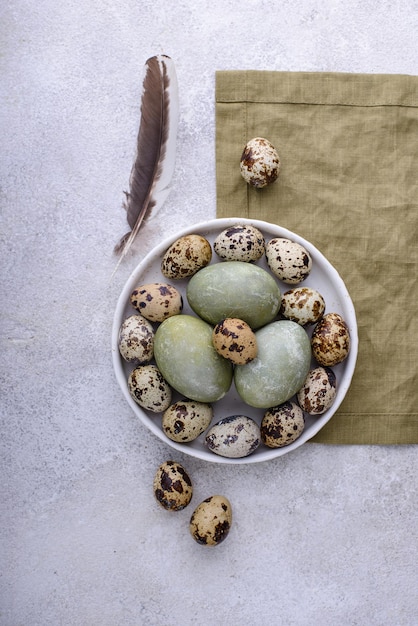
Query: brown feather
(153, 167)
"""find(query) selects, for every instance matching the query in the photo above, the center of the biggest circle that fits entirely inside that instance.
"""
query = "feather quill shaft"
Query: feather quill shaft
(153, 167)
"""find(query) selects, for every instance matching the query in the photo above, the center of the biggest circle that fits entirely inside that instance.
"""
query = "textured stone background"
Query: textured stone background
(326, 535)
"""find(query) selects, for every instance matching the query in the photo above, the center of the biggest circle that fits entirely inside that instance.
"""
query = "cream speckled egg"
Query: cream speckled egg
(281, 425)
(186, 256)
(240, 243)
(136, 339)
(302, 305)
(234, 340)
(234, 437)
(173, 488)
(211, 521)
(157, 301)
(185, 420)
(260, 163)
(330, 340)
(318, 391)
(149, 389)
(288, 260)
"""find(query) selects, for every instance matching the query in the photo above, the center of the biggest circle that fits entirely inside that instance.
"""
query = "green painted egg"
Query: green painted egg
(185, 356)
(234, 289)
(280, 367)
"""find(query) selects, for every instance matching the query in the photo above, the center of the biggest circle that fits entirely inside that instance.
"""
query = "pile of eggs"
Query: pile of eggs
(243, 332)
(210, 521)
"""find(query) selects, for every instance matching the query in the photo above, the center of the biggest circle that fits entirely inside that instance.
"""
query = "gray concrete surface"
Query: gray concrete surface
(326, 535)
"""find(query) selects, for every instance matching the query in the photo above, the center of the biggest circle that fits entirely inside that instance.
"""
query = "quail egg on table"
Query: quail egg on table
(302, 305)
(288, 260)
(318, 391)
(260, 163)
(235, 341)
(211, 521)
(186, 256)
(281, 425)
(149, 389)
(185, 420)
(136, 339)
(234, 437)
(173, 488)
(157, 301)
(240, 243)
(330, 340)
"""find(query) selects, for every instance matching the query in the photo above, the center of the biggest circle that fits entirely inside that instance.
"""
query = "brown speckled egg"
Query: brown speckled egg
(288, 260)
(260, 163)
(234, 340)
(186, 256)
(302, 305)
(234, 437)
(240, 243)
(211, 521)
(281, 425)
(157, 301)
(318, 391)
(172, 486)
(149, 389)
(330, 340)
(136, 339)
(185, 420)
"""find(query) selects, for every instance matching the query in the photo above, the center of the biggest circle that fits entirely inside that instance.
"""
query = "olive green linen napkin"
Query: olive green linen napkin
(348, 145)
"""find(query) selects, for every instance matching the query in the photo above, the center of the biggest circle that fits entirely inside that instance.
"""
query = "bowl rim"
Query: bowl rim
(266, 228)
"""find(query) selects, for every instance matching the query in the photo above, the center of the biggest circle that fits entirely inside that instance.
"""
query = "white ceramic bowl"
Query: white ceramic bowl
(323, 277)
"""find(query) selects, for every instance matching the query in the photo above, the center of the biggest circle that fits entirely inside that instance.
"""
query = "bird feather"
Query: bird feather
(153, 167)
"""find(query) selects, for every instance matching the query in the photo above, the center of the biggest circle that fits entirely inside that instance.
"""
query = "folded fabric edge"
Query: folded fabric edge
(358, 429)
(323, 88)
(339, 441)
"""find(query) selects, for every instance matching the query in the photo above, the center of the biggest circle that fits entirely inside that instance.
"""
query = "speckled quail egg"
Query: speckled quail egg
(136, 339)
(318, 391)
(260, 163)
(330, 340)
(288, 260)
(302, 305)
(185, 420)
(240, 243)
(211, 521)
(281, 425)
(235, 341)
(172, 486)
(234, 437)
(157, 301)
(149, 389)
(186, 256)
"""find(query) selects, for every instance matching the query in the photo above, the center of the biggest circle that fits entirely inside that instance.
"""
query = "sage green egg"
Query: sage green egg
(280, 367)
(234, 289)
(185, 356)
